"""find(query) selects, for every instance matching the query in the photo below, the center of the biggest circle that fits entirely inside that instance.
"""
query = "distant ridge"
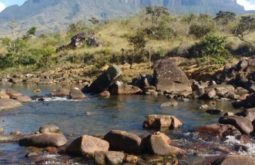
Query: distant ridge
(54, 15)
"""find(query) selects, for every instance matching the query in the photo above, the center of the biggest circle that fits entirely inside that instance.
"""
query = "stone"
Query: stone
(87, 145)
(44, 140)
(158, 122)
(105, 94)
(123, 141)
(77, 94)
(159, 144)
(249, 114)
(169, 77)
(214, 111)
(4, 95)
(61, 92)
(244, 125)
(171, 103)
(6, 104)
(23, 99)
(114, 158)
(219, 130)
(120, 88)
(105, 80)
(99, 158)
(235, 160)
(49, 128)
(13, 94)
(131, 159)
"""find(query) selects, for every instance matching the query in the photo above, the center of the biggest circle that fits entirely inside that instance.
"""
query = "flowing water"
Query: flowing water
(97, 116)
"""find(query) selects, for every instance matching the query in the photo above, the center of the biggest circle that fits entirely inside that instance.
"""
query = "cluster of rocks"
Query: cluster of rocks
(10, 99)
(116, 147)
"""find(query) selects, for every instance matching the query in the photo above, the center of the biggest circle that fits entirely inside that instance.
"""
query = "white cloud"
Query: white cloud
(2, 6)
(247, 4)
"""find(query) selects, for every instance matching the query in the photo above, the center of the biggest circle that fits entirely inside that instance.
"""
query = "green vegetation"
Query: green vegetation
(142, 38)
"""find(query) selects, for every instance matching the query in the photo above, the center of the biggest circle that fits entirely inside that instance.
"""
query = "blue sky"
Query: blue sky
(248, 4)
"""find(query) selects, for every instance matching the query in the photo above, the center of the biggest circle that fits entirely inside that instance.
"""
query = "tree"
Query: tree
(245, 26)
(138, 43)
(94, 20)
(77, 27)
(224, 17)
(156, 13)
(31, 31)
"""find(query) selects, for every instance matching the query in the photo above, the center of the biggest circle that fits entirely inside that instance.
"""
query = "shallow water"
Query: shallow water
(95, 116)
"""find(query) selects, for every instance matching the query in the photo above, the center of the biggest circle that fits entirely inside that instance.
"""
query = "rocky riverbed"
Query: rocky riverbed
(164, 118)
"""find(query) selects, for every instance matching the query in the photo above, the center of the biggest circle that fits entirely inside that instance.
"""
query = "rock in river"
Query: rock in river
(119, 88)
(87, 145)
(77, 94)
(159, 144)
(169, 77)
(6, 104)
(49, 128)
(123, 141)
(235, 160)
(105, 80)
(44, 140)
(158, 122)
(243, 124)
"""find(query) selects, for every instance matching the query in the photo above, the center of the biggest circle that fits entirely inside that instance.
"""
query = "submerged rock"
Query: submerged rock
(159, 144)
(158, 122)
(171, 103)
(169, 77)
(123, 141)
(44, 140)
(87, 145)
(105, 80)
(77, 94)
(49, 128)
(6, 104)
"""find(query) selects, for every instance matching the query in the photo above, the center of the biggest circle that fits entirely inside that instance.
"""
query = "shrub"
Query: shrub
(210, 45)
(200, 30)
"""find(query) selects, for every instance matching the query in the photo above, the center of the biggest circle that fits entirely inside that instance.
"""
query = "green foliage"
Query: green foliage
(224, 17)
(245, 26)
(138, 42)
(156, 12)
(210, 45)
(77, 27)
(200, 30)
(31, 31)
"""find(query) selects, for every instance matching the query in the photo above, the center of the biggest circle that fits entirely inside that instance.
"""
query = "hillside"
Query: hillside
(55, 15)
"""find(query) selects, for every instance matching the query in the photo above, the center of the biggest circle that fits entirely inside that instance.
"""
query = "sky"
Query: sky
(247, 4)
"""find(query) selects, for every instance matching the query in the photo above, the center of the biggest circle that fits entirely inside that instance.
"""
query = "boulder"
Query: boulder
(13, 94)
(105, 94)
(6, 104)
(114, 158)
(49, 128)
(158, 122)
(243, 124)
(235, 160)
(23, 99)
(159, 144)
(77, 94)
(44, 140)
(120, 88)
(123, 141)
(171, 103)
(105, 80)
(218, 130)
(87, 145)
(61, 92)
(249, 114)
(169, 77)
(4, 95)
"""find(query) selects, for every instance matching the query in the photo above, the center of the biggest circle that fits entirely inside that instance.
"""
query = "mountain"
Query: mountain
(54, 15)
